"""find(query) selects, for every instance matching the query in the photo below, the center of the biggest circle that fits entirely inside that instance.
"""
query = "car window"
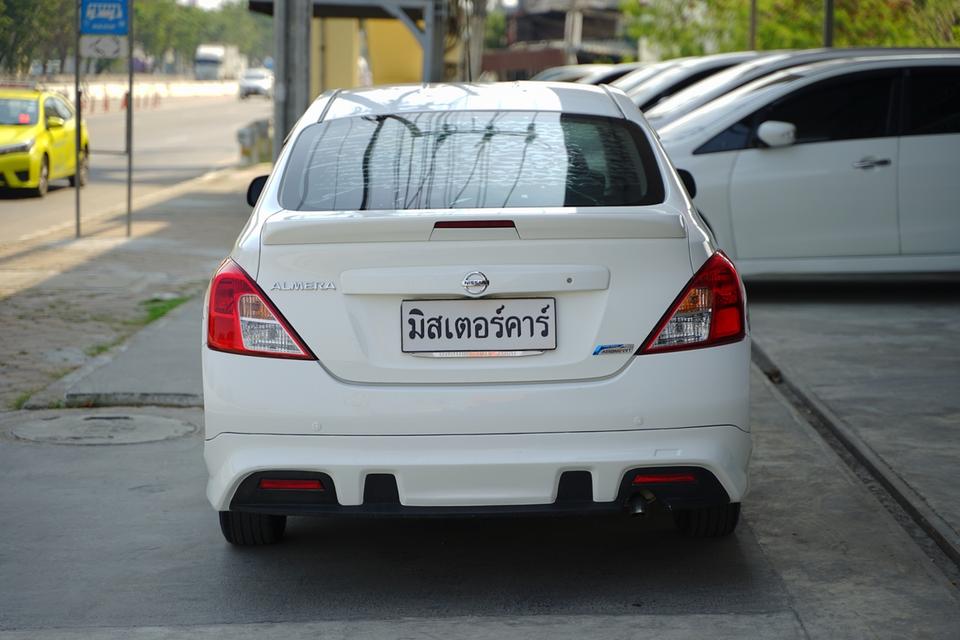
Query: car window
(470, 159)
(64, 109)
(934, 101)
(735, 137)
(50, 109)
(846, 108)
(18, 111)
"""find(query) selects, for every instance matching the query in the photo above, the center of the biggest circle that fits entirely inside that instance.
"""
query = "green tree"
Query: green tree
(34, 29)
(495, 30)
(690, 27)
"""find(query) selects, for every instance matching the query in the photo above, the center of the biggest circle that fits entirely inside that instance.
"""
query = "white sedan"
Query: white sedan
(846, 166)
(474, 299)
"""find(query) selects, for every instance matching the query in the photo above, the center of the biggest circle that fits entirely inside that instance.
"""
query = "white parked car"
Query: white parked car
(681, 74)
(256, 82)
(845, 166)
(696, 95)
(474, 299)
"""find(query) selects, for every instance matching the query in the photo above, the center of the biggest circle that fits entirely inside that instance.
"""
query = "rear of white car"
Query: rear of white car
(461, 299)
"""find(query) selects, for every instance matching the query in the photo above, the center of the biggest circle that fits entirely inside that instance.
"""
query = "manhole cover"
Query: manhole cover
(102, 428)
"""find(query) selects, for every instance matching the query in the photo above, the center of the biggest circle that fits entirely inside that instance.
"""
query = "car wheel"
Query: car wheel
(252, 528)
(43, 182)
(709, 522)
(84, 169)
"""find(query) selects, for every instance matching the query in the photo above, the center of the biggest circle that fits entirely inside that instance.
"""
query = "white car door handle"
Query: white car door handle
(870, 162)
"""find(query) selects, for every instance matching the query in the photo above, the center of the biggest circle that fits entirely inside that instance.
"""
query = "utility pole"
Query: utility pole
(753, 25)
(291, 44)
(573, 32)
(828, 23)
(129, 117)
(78, 104)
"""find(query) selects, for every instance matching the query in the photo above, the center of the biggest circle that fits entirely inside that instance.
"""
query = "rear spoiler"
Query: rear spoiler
(294, 227)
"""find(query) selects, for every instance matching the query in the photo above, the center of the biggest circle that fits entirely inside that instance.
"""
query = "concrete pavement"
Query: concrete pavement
(114, 540)
(158, 366)
(880, 361)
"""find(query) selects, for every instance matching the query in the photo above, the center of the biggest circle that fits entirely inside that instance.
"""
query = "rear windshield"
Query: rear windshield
(470, 159)
(14, 111)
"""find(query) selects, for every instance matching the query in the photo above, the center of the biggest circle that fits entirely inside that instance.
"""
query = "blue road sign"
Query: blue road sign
(103, 17)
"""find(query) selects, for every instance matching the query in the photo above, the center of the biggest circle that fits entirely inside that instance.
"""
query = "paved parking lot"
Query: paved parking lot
(106, 539)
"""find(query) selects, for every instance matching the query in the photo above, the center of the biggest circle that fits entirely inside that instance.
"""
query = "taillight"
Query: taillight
(241, 319)
(709, 311)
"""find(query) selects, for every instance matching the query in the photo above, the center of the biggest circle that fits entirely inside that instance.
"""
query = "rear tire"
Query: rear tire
(244, 529)
(84, 169)
(709, 522)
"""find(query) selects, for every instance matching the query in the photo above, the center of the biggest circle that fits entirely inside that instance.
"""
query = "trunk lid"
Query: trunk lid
(344, 281)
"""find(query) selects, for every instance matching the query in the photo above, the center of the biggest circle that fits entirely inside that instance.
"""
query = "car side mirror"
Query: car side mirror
(255, 189)
(55, 122)
(777, 134)
(688, 182)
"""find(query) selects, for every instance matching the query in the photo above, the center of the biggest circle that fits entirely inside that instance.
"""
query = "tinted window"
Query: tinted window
(934, 102)
(735, 137)
(845, 108)
(50, 109)
(65, 111)
(464, 159)
(16, 111)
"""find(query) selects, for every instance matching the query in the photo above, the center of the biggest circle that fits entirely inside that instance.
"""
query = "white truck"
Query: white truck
(218, 62)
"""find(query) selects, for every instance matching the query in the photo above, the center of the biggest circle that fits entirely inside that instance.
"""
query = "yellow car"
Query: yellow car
(38, 139)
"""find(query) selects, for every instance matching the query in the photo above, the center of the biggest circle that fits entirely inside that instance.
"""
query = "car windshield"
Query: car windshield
(470, 159)
(712, 86)
(640, 76)
(18, 111)
(255, 75)
(714, 110)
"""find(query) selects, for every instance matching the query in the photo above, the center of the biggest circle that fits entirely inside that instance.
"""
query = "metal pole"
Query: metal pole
(828, 23)
(280, 124)
(79, 109)
(753, 25)
(129, 116)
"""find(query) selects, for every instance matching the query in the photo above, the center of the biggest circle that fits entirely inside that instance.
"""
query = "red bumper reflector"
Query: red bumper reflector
(282, 484)
(663, 478)
(474, 224)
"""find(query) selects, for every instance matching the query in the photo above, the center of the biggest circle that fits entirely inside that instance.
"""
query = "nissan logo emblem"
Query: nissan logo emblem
(475, 283)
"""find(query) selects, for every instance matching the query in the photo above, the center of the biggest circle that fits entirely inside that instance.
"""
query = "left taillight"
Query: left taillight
(241, 319)
(709, 311)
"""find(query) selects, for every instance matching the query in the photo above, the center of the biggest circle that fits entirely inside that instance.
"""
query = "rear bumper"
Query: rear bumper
(456, 474)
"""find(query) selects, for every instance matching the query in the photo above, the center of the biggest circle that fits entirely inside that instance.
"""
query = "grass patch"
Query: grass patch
(156, 308)
(103, 347)
(20, 400)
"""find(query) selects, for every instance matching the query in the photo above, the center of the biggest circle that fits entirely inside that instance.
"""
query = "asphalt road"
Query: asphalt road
(176, 141)
(118, 541)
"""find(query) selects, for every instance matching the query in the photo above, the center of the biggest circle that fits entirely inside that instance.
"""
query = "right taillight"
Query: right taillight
(241, 319)
(709, 311)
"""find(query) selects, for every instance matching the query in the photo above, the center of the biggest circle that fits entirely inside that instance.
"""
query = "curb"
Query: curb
(125, 399)
(58, 395)
(911, 502)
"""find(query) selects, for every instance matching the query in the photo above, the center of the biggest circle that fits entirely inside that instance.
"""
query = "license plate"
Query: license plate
(478, 328)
